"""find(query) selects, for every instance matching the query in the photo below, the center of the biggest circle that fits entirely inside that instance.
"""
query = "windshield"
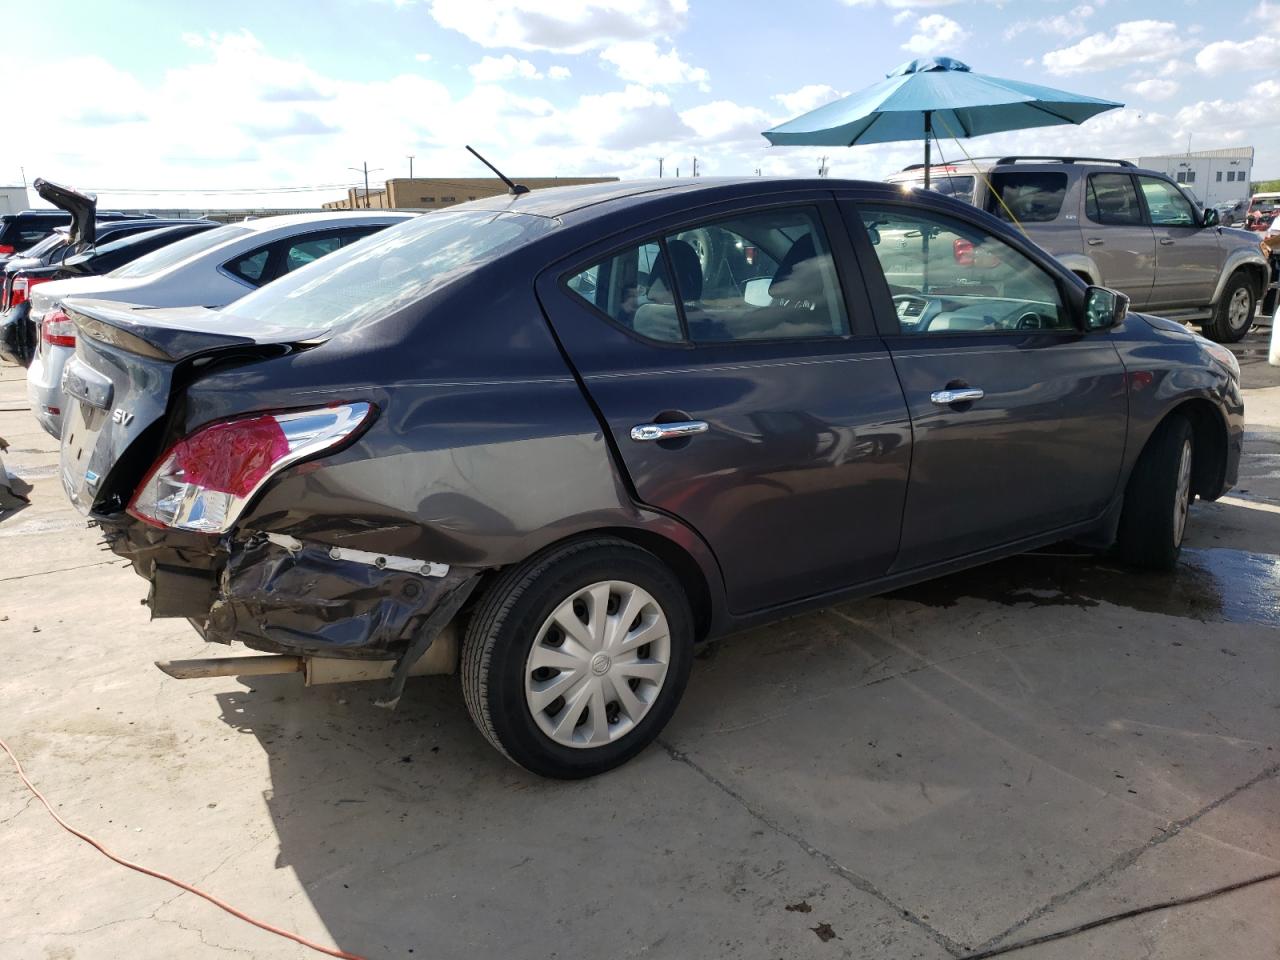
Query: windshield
(177, 252)
(147, 236)
(382, 273)
(1265, 204)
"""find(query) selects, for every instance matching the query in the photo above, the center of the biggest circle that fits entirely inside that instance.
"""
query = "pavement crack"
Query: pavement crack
(1125, 915)
(855, 880)
(45, 573)
(1125, 860)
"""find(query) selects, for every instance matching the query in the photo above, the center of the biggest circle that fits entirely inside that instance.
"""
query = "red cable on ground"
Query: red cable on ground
(329, 951)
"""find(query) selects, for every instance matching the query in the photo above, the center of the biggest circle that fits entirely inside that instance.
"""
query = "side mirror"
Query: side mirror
(1104, 309)
(756, 292)
(874, 234)
(1210, 218)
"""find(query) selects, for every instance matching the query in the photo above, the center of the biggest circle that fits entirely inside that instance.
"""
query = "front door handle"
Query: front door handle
(1095, 241)
(945, 398)
(668, 431)
(1166, 242)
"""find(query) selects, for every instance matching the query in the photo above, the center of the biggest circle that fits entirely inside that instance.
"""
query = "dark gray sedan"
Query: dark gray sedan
(590, 427)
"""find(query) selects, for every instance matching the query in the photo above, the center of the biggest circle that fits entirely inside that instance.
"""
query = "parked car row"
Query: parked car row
(585, 428)
(1116, 225)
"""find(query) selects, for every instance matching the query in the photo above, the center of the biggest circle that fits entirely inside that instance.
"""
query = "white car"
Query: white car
(210, 269)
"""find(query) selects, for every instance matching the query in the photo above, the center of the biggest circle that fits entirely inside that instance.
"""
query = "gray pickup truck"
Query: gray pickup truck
(1122, 227)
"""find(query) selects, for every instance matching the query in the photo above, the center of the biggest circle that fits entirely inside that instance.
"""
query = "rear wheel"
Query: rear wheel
(1233, 316)
(1158, 498)
(576, 659)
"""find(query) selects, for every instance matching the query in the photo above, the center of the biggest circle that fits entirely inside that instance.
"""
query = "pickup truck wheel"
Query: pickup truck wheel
(1233, 316)
(1158, 498)
(576, 659)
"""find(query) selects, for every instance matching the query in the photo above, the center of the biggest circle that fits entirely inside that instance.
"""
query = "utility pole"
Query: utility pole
(759, 172)
(822, 166)
(660, 159)
(364, 168)
(411, 156)
(695, 166)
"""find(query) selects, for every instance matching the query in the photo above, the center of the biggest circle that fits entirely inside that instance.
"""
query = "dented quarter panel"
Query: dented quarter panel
(303, 602)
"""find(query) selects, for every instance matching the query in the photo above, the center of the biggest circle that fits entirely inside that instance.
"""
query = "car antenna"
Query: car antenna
(515, 189)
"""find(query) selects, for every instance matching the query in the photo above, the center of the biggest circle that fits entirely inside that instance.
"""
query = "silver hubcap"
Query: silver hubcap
(598, 664)
(1182, 502)
(1238, 309)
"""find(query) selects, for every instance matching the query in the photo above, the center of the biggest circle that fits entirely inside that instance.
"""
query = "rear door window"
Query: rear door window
(301, 252)
(1112, 199)
(252, 267)
(759, 276)
(1031, 197)
(621, 284)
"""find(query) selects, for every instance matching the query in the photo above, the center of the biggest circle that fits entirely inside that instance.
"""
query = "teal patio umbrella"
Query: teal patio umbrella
(910, 100)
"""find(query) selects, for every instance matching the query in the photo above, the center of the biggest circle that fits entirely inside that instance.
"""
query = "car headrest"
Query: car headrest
(688, 270)
(802, 250)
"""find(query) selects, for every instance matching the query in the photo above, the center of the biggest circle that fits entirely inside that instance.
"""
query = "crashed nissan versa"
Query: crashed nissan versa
(586, 427)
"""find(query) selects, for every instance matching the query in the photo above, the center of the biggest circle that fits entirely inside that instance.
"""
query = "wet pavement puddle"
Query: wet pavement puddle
(1217, 584)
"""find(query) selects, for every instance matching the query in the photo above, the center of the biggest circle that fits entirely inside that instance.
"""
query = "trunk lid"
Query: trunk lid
(129, 364)
(82, 207)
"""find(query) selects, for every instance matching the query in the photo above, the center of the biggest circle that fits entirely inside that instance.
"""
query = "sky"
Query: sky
(178, 105)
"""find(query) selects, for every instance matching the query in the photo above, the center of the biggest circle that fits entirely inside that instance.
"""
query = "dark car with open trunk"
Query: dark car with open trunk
(583, 429)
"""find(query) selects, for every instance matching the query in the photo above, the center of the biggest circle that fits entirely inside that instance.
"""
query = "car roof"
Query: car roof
(603, 198)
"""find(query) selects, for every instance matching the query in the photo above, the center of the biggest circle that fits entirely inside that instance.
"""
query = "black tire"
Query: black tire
(1221, 328)
(1149, 535)
(506, 623)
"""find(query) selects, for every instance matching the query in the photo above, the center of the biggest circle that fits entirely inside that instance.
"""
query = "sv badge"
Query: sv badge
(121, 416)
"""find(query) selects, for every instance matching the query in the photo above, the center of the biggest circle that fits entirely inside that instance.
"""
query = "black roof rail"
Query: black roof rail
(949, 163)
(1030, 159)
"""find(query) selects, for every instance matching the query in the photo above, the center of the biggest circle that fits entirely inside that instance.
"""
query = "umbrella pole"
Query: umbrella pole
(928, 137)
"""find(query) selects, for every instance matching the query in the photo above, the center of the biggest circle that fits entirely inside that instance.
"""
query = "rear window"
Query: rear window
(177, 252)
(380, 274)
(1031, 197)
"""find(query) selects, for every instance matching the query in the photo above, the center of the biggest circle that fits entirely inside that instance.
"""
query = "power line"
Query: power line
(216, 190)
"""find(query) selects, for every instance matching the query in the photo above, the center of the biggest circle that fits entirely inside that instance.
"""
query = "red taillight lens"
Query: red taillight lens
(57, 330)
(6, 248)
(204, 481)
(21, 289)
(962, 250)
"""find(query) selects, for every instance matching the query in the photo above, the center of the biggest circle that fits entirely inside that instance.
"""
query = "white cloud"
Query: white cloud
(422, 57)
(808, 97)
(559, 73)
(568, 26)
(1066, 25)
(1226, 56)
(1135, 41)
(903, 4)
(506, 67)
(723, 119)
(640, 61)
(1154, 88)
(935, 34)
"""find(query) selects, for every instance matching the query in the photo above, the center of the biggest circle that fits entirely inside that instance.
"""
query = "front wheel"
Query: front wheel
(1233, 316)
(575, 660)
(1158, 498)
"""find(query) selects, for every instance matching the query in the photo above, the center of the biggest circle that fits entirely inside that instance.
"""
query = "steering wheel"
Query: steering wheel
(1030, 321)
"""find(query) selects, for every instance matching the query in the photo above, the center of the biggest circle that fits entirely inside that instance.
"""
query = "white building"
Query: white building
(1214, 176)
(13, 199)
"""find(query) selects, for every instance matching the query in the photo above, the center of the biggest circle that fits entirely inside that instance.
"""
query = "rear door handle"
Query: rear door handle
(1166, 242)
(944, 398)
(1095, 241)
(668, 431)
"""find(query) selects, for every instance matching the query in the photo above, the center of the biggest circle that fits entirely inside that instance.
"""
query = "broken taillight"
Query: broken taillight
(57, 330)
(21, 289)
(205, 480)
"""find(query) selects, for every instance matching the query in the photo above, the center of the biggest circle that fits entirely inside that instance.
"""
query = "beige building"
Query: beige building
(429, 193)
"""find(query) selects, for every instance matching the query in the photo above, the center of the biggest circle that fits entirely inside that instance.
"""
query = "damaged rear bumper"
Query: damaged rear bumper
(280, 595)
